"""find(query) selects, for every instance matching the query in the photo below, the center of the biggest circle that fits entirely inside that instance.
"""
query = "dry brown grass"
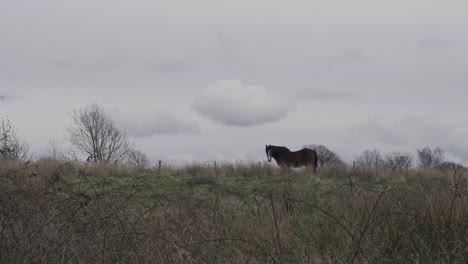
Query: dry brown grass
(56, 212)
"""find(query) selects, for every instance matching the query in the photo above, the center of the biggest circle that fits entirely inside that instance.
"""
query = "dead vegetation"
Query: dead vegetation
(68, 212)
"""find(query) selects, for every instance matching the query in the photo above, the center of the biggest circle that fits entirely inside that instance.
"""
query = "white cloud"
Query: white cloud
(233, 103)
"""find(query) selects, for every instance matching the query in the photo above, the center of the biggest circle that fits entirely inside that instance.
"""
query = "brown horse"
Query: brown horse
(286, 158)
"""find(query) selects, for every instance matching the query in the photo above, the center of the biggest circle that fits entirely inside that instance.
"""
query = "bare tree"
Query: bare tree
(138, 159)
(11, 147)
(370, 159)
(325, 155)
(430, 158)
(94, 133)
(397, 161)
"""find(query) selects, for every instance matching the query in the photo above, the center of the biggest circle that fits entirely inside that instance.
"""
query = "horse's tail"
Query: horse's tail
(315, 161)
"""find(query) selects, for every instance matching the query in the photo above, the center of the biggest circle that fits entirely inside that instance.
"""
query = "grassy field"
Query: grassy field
(66, 212)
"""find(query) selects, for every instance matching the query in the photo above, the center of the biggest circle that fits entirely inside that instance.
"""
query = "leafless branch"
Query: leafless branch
(94, 134)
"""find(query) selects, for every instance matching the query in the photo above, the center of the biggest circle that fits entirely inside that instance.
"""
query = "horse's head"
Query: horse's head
(268, 149)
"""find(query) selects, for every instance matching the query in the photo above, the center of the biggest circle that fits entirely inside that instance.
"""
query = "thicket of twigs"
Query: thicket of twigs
(66, 212)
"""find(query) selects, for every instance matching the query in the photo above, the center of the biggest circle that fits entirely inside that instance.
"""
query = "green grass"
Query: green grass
(52, 212)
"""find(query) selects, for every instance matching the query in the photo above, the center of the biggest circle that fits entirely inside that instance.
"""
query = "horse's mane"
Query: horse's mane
(281, 147)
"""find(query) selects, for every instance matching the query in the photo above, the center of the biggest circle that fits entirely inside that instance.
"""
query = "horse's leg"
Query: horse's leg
(285, 169)
(306, 167)
(314, 163)
(311, 167)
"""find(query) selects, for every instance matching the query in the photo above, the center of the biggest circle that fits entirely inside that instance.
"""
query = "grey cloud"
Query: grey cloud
(323, 94)
(229, 52)
(457, 153)
(403, 132)
(382, 131)
(9, 95)
(353, 56)
(434, 43)
(411, 133)
(233, 103)
(112, 63)
(346, 63)
(162, 123)
(227, 47)
(343, 57)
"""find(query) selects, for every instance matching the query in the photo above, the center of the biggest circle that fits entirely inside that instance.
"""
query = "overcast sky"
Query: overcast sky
(206, 79)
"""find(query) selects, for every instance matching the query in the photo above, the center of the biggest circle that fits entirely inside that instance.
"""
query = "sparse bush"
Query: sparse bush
(447, 166)
(398, 162)
(138, 159)
(53, 152)
(11, 147)
(370, 159)
(54, 212)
